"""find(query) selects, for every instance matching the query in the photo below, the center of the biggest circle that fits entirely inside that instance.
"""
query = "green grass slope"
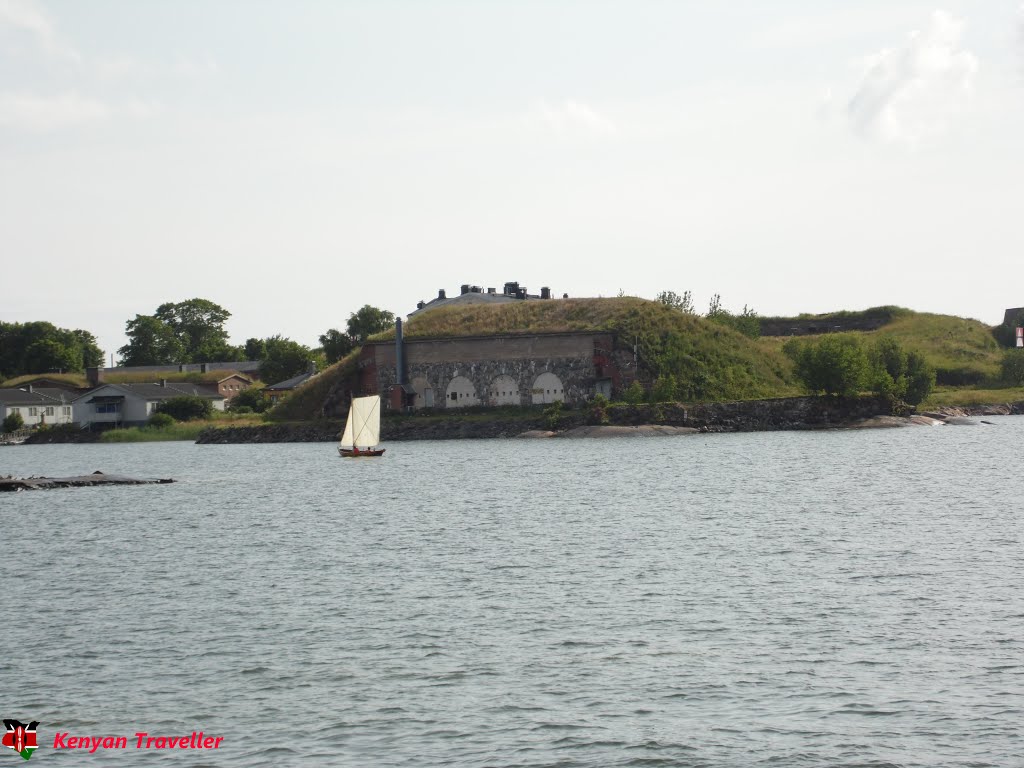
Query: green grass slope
(707, 360)
(311, 399)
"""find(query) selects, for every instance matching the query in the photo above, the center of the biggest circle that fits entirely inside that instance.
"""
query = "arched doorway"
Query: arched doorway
(460, 393)
(547, 389)
(504, 391)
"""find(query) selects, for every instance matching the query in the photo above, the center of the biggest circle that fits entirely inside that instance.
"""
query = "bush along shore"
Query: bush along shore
(787, 413)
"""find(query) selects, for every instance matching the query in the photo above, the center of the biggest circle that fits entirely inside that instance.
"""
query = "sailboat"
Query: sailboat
(362, 430)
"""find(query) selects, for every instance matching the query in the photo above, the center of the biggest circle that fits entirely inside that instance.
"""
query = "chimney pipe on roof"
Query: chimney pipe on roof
(465, 288)
(399, 353)
(163, 382)
(94, 374)
(440, 294)
(545, 293)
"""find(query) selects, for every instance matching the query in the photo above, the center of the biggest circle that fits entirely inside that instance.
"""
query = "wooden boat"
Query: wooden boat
(362, 430)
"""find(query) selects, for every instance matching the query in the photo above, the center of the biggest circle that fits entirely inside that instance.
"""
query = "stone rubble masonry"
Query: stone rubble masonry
(579, 360)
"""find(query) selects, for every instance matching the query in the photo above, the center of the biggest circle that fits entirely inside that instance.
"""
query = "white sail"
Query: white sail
(363, 425)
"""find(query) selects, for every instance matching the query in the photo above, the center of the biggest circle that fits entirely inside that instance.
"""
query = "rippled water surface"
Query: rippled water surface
(773, 599)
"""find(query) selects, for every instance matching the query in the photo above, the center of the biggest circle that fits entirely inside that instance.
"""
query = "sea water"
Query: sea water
(834, 598)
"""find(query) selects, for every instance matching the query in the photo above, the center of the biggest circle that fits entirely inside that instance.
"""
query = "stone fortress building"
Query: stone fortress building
(517, 369)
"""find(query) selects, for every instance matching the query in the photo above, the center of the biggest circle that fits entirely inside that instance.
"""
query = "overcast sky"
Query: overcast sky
(295, 160)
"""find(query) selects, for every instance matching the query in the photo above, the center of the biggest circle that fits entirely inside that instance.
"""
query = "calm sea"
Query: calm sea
(774, 599)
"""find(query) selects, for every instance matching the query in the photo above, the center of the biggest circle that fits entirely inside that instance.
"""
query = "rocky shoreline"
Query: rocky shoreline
(793, 413)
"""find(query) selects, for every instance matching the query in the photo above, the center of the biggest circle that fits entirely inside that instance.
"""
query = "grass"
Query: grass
(182, 430)
(708, 360)
(308, 401)
(887, 313)
(71, 379)
(966, 396)
(192, 377)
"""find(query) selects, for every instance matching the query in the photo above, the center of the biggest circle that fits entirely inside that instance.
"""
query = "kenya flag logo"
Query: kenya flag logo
(20, 737)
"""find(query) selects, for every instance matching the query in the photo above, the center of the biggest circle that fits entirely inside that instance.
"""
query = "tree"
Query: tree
(920, 378)
(368, 321)
(255, 349)
(151, 341)
(284, 358)
(664, 389)
(673, 300)
(1013, 367)
(336, 345)
(186, 407)
(199, 326)
(252, 398)
(13, 422)
(42, 347)
(836, 365)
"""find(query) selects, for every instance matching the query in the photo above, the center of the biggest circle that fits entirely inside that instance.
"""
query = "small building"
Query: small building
(474, 294)
(37, 407)
(231, 385)
(281, 390)
(131, 405)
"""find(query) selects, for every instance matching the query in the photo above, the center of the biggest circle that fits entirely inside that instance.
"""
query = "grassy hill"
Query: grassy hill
(707, 360)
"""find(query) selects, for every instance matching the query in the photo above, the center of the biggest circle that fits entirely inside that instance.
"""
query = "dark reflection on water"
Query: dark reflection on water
(775, 599)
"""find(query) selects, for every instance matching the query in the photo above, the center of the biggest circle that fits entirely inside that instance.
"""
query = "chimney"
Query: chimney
(465, 288)
(30, 388)
(399, 353)
(204, 367)
(163, 382)
(94, 374)
(181, 367)
(545, 293)
(440, 294)
(421, 304)
(490, 290)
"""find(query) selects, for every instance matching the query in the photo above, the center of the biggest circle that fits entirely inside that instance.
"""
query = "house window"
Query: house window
(66, 410)
(108, 407)
(49, 410)
(15, 410)
(33, 411)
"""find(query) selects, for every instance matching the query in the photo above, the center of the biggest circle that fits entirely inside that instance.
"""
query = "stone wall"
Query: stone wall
(477, 368)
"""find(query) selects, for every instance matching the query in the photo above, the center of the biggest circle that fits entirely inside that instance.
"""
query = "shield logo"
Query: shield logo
(20, 737)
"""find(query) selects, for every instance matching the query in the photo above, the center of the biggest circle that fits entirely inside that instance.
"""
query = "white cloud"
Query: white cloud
(569, 119)
(22, 110)
(28, 17)
(909, 93)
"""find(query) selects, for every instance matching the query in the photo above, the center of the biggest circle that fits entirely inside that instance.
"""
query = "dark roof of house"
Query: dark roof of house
(245, 366)
(164, 392)
(24, 397)
(291, 383)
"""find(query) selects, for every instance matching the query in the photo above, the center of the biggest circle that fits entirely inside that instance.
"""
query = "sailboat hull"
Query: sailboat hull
(348, 453)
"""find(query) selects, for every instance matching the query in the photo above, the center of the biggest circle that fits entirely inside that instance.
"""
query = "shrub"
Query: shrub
(598, 410)
(161, 420)
(634, 393)
(255, 400)
(1012, 367)
(13, 422)
(836, 365)
(664, 389)
(553, 414)
(186, 407)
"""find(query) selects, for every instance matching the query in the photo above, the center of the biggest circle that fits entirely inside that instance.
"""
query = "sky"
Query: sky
(293, 161)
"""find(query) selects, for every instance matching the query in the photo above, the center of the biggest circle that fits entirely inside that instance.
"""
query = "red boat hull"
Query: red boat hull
(353, 454)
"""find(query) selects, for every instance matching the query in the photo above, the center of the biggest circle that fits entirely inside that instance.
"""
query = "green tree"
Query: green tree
(42, 347)
(836, 364)
(665, 389)
(255, 349)
(186, 408)
(920, 378)
(368, 321)
(51, 354)
(634, 393)
(284, 358)
(673, 300)
(151, 341)
(1012, 367)
(252, 398)
(336, 345)
(13, 422)
(199, 326)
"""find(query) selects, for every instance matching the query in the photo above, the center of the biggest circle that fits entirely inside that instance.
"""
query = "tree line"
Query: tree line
(41, 347)
(190, 331)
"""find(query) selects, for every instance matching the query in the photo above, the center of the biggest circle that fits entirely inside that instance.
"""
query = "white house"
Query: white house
(131, 405)
(37, 406)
